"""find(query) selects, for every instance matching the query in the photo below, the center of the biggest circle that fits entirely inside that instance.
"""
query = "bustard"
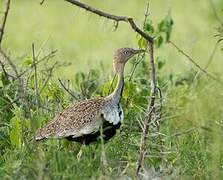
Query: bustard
(82, 121)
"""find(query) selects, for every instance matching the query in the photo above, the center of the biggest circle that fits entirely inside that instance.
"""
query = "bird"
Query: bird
(82, 120)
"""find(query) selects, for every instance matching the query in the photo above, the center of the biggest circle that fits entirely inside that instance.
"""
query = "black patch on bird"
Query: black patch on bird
(121, 93)
(109, 130)
(120, 112)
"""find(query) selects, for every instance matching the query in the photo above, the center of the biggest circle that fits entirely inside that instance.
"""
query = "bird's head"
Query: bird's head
(122, 55)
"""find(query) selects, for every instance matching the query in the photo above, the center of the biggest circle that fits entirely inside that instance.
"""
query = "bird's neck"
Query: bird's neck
(117, 94)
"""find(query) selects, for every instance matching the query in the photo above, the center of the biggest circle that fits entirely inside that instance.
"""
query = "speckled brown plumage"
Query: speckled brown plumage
(72, 119)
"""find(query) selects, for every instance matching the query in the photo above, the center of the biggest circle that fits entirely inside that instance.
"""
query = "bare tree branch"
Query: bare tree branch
(2, 28)
(150, 111)
(128, 20)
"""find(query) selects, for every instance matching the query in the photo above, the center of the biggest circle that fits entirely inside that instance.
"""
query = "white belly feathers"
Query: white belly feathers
(113, 114)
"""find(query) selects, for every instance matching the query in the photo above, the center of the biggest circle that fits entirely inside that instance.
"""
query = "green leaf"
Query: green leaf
(27, 61)
(4, 80)
(159, 41)
(142, 43)
(160, 62)
(165, 26)
(16, 132)
(149, 27)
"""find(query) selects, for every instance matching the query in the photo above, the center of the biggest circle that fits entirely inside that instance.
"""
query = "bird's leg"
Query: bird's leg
(103, 156)
(79, 154)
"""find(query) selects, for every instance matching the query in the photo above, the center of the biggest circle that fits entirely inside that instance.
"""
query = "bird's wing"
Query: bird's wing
(78, 119)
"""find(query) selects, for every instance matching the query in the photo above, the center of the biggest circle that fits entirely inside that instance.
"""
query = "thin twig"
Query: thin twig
(142, 57)
(211, 56)
(146, 14)
(2, 28)
(50, 70)
(45, 58)
(9, 104)
(135, 66)
(141, 124)
(21, 93)
(13, 66)
(132, 73)
(61, 83)
(144, 24)
(41, 3)
(210, 59)
(4, 70)
(35, 77)
(159, 111)
(158, 118)
(41, 47)
(197, 65)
